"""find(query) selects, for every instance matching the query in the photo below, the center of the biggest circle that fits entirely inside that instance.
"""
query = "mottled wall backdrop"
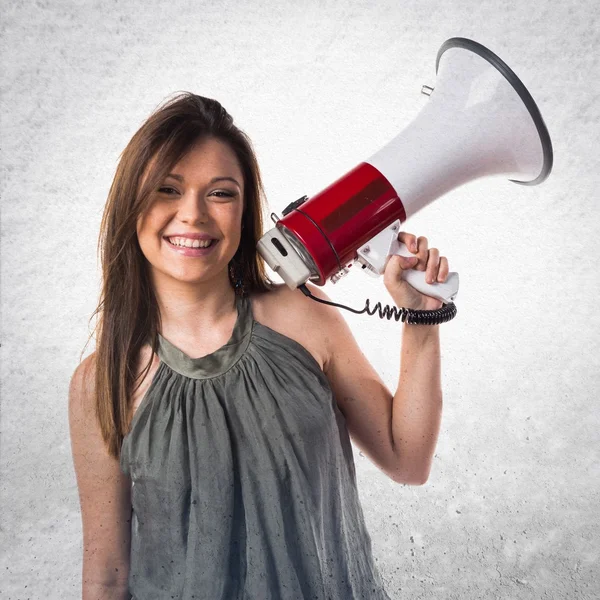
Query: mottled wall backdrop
(511, 508)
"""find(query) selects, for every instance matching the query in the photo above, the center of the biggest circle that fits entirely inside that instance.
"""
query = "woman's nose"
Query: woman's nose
(193, 208)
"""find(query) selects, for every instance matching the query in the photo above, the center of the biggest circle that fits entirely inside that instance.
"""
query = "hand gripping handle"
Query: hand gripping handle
(445, 291)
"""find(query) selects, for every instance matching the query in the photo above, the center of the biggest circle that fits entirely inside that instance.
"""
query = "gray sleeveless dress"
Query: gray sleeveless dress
(243, 480)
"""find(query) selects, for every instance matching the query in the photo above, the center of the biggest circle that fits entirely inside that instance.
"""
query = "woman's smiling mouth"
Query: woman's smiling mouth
(189, 242)
(191, 245)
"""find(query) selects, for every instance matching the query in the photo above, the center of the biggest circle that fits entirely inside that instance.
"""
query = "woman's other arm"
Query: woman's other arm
(104, 495)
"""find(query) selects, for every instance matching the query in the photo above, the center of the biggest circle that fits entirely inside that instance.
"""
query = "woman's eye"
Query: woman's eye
(167, 190)
(223, 194)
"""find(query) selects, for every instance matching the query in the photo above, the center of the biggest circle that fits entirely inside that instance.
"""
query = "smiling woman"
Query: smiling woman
(211, 427)
(196, 213)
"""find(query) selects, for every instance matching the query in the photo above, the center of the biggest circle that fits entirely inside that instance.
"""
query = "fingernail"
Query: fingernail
(414, 246)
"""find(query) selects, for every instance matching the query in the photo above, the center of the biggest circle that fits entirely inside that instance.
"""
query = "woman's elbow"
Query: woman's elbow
(415, 481)
(413, 477)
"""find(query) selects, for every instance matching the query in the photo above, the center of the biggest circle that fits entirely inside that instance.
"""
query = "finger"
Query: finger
(409, 240)
(394, 267)
(422, 253)
(433, 264)
(401, 263)
(444, 269)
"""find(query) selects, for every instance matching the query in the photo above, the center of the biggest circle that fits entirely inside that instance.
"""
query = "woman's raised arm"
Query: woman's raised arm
(399, 431)
(104, 494)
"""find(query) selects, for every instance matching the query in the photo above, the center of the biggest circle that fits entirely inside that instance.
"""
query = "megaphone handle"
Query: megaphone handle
(445, 291)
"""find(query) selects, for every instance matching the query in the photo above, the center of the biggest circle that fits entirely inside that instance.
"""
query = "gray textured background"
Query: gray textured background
(511, 508)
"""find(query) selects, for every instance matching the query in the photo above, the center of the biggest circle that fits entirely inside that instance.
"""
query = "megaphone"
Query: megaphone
(479, 121)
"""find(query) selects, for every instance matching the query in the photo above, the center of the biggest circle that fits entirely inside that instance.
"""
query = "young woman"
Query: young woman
(210, 428)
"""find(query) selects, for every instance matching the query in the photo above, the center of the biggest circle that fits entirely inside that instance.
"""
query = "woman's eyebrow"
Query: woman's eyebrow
(180, 178)
(233, 180)
(175, 176)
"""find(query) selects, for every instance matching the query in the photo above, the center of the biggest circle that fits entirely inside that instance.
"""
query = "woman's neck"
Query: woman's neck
(189, 310)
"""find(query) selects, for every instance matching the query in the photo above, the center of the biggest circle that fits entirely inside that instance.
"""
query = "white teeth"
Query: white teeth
(189, 243)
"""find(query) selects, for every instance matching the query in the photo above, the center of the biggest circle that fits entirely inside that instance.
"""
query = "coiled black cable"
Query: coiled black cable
(412, 316)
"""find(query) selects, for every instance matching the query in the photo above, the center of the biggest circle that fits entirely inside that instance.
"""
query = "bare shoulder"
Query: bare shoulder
(298, 317)
(83, 422)
(82, 387)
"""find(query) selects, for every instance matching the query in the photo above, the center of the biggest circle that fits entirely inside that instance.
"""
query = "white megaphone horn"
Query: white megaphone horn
(479, 121)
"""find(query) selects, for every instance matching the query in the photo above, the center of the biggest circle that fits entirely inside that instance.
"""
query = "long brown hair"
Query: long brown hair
(127, 312)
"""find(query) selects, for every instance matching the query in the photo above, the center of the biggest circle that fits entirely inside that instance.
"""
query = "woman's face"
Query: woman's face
(192, 227)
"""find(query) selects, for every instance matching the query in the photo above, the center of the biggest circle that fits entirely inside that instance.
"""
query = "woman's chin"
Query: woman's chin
(190, 277)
